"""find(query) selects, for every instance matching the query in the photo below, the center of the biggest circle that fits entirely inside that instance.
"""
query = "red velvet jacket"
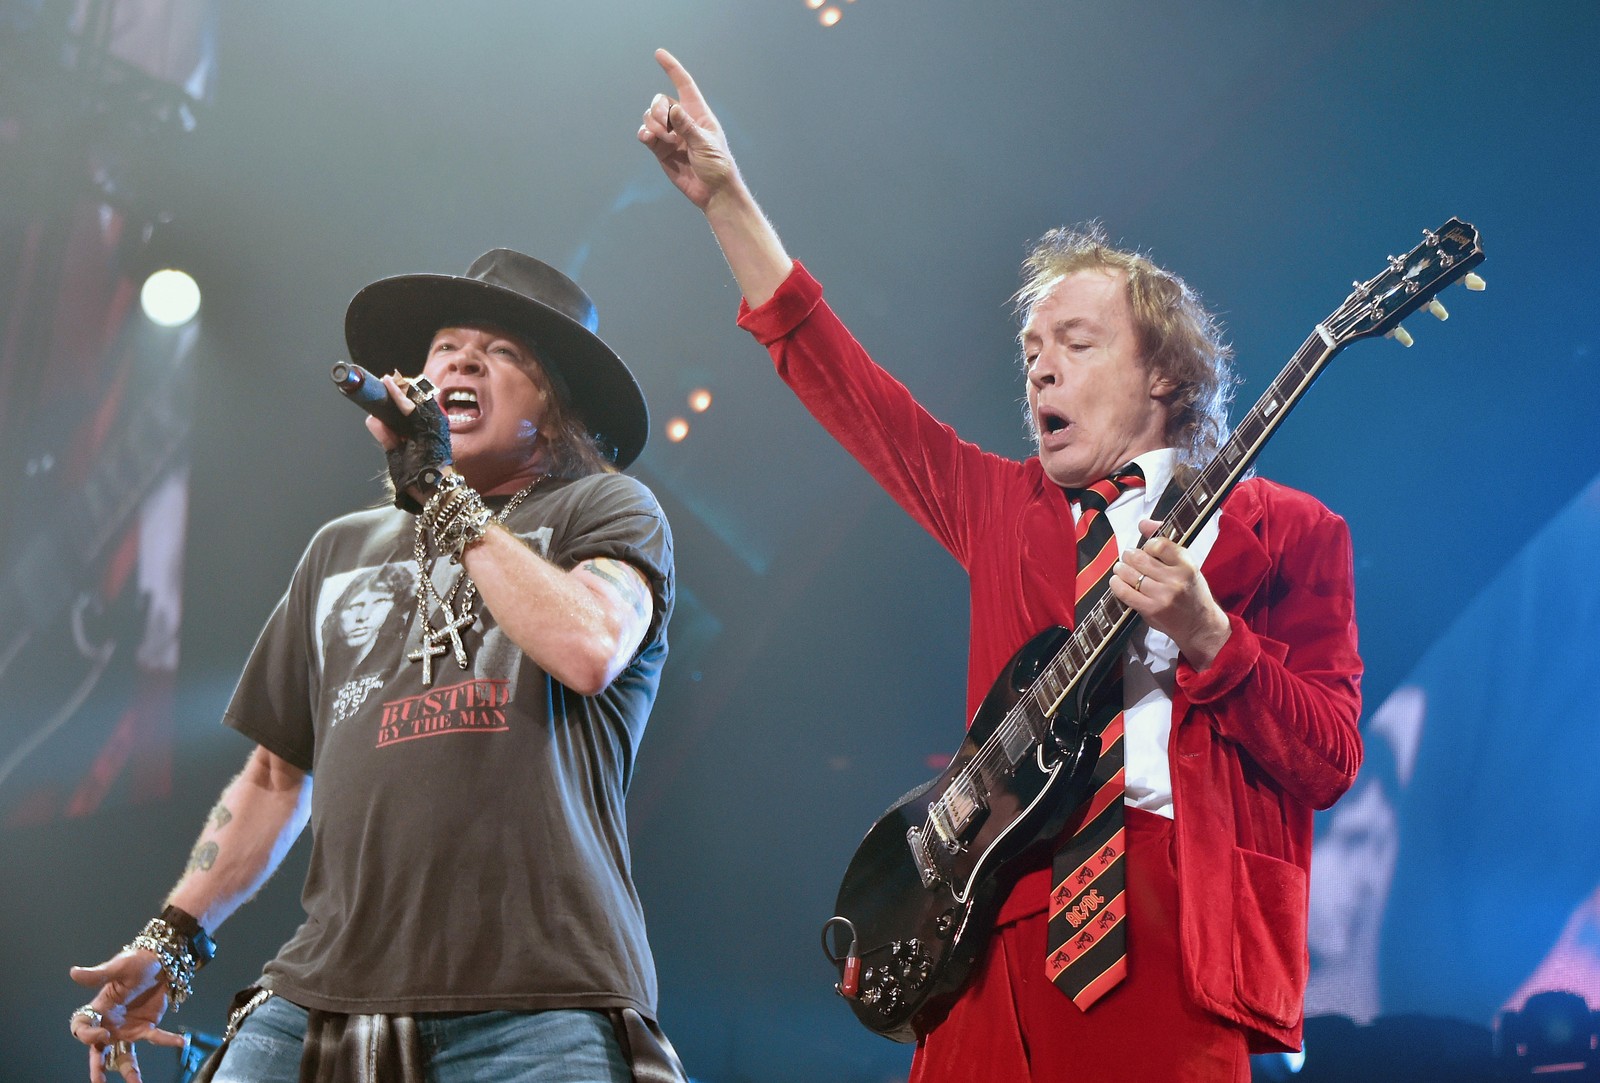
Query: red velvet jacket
(1262, 738)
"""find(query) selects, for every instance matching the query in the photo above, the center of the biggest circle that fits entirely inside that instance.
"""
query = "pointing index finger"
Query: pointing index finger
(682, 81)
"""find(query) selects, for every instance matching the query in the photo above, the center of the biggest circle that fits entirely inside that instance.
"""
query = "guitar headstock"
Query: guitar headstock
(1411, 282)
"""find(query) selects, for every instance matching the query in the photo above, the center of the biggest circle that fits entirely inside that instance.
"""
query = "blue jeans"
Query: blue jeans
(566, 1046)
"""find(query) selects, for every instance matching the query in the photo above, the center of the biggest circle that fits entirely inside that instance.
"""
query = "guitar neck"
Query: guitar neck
(1216, 480)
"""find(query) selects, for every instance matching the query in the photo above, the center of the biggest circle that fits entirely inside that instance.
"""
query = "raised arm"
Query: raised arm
(245, 838)
(693, 151)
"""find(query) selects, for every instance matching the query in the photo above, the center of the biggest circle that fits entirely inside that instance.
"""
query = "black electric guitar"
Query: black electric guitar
(921, 893)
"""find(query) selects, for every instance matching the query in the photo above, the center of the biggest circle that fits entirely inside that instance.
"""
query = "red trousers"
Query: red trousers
(1013, 1026)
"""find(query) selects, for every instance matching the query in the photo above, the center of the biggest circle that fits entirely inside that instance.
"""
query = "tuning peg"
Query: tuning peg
(1402, 336)
(1437, 311)
(1473, 282)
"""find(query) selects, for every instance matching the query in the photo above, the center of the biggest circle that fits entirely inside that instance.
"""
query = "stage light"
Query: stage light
(815, 4)
(677, 429)
(699, 400)
(170, 298)
(1555, 1033)
(829, 16)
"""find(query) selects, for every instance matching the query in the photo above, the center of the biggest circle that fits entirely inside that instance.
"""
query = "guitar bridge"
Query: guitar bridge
(926, 869)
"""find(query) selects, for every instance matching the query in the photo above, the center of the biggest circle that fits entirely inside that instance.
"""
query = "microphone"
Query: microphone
(367, 391)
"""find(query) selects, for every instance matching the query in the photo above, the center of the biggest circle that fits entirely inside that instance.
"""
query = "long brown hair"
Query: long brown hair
(571, 449)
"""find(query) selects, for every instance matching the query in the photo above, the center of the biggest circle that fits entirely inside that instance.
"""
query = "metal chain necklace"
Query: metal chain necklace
(456, 607)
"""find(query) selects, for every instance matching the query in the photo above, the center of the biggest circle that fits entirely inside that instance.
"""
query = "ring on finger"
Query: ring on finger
(88, 1015)
(119, 1057)
(1139, 583)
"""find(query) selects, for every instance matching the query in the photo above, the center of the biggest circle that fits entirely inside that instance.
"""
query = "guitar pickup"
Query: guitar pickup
(1018, 742)
(956, 812)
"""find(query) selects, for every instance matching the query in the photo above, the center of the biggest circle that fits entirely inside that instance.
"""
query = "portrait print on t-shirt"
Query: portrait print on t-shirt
(367, 638)
(357, 612)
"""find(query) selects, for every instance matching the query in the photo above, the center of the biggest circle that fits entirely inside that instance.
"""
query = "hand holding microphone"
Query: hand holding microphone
(417, 462)
(369, 392)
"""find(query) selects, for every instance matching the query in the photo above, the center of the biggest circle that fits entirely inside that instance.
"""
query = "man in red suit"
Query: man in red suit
(1240, 694)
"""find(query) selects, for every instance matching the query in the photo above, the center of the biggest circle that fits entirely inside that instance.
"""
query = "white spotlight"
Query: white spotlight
(170, 298)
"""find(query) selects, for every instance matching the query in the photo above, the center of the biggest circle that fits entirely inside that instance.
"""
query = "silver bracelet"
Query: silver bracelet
(467, 528)
(441, 497)
(172, 952)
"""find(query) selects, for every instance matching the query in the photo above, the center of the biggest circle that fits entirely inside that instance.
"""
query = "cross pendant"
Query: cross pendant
(425, 654)
(452, 630)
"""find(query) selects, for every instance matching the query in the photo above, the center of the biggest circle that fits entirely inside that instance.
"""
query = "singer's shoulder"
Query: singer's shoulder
(368, 527)
(602, 496)
(361, 539)
(610, 485)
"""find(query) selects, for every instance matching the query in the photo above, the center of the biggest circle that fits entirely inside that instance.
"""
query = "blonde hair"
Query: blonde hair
(1178, 338)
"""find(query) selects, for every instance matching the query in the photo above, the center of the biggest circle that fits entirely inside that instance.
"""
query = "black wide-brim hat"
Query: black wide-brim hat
(391, 323)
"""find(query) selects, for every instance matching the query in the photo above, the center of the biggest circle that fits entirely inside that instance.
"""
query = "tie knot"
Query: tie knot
(1103, 493)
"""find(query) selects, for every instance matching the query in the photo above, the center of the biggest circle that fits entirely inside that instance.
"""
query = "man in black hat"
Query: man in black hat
(469, 910)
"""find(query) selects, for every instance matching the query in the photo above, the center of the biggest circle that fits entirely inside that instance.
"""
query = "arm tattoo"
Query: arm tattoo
(202, 858)
(624, 586)
(219, 816)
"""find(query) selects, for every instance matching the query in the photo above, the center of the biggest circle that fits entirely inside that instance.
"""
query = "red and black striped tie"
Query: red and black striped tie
(1088, 936)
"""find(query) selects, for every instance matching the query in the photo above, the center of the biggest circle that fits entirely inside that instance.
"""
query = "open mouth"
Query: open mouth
(1050, 421)
(461, 406)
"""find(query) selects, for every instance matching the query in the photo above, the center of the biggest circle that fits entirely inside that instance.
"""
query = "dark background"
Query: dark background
(1269, 152)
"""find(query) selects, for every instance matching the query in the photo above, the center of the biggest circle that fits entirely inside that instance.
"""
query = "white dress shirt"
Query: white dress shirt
(1150, 666)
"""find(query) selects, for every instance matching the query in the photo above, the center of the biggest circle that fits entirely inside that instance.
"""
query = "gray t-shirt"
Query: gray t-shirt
(469, 845)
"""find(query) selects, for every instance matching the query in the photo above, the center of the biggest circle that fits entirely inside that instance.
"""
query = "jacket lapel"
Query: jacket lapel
(1237, 565)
